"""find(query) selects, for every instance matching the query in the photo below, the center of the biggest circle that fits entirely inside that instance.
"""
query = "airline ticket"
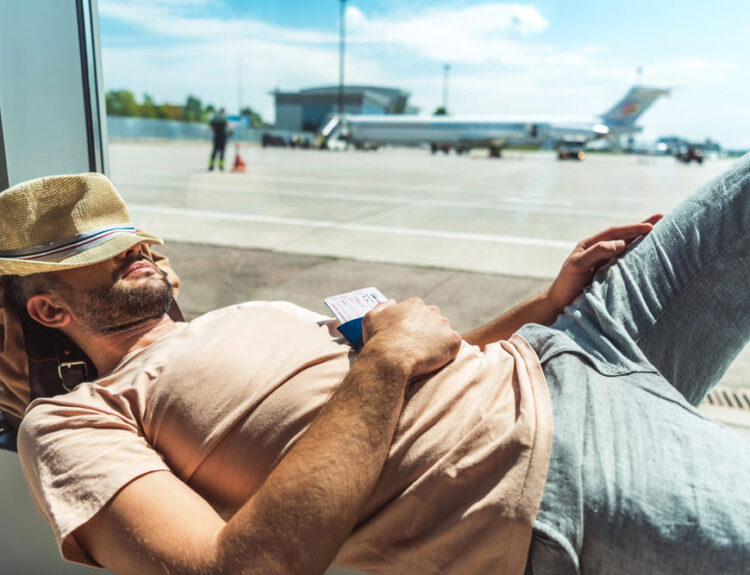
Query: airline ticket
(354, 304)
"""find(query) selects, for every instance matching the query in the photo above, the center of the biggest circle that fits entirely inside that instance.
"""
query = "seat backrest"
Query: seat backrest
(8, 434)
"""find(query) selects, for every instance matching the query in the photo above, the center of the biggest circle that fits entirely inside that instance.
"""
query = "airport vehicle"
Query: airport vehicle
(571, 151)
(272, 140)
(462, 133)
(278, 141)
(689, 154)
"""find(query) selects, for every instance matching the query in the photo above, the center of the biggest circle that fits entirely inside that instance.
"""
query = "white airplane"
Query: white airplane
(566, 134)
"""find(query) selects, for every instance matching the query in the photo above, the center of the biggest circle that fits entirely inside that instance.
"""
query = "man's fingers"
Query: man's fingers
(421, 336)
(628, 232)
(653, 219)
(601, 252)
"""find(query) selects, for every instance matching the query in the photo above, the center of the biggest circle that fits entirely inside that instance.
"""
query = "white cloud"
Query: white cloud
(501, 62)
(195, 52)
(212, 71)
(191, 21)
(473, 35)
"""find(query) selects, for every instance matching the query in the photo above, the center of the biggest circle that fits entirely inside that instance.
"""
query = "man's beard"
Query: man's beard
(118, 307)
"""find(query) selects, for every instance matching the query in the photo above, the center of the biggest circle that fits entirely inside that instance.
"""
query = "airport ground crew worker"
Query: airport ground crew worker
(560, 437)
(221, 132)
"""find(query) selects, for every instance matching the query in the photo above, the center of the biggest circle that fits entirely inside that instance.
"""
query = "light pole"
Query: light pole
(446, 69)
(342, 17)
(239, 87)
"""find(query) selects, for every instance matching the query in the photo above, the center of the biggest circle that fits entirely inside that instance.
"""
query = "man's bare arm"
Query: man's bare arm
(576, 273)
(538, 309)
(306, 508)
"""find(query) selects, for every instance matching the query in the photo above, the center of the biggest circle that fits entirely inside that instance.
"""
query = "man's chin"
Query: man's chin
(131, 301)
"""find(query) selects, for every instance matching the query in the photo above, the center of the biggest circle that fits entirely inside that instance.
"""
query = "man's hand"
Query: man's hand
(589, 255)
(576, 273)
(411, 334)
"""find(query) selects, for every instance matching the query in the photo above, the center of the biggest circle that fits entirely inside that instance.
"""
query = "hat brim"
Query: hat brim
(99, 253)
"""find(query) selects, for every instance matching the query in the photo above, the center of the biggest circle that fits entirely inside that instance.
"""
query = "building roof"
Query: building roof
(391, 99)
(388, 92)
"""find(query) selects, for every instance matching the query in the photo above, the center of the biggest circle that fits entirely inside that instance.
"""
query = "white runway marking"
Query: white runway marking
(335, 181)
(505, 204)
(325, 224)
(527, 205)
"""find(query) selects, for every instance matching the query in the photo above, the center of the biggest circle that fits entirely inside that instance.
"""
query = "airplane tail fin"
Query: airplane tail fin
(626, 112)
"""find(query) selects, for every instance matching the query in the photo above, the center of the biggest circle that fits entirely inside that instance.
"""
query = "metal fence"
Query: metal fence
(126, 128)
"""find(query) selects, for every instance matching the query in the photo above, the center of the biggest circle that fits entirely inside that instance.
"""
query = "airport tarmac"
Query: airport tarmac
(516, 216)
(507, 223)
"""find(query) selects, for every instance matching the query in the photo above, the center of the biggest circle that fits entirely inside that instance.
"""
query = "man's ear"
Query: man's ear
(48, 310)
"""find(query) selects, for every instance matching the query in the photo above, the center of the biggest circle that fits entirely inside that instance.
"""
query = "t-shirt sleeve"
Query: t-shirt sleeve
(76, 454)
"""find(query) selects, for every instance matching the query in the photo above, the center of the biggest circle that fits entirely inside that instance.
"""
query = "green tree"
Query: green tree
(255, 118)
(193, 110)
(208, 112)
(121, 103)
(149, 109)
(440, 111)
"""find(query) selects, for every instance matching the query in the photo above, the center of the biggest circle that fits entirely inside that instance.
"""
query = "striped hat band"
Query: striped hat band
(63, 222)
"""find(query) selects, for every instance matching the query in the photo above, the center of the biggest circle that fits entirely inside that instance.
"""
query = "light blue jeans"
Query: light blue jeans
(639, 481)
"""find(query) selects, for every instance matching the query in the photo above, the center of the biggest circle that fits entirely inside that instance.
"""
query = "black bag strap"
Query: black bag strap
(56, 365)
(175, 313)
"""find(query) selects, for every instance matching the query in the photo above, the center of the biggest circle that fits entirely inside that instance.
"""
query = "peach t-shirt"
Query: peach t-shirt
(219, 402)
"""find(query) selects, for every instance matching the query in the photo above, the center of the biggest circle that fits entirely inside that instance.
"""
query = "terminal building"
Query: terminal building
(308, 109)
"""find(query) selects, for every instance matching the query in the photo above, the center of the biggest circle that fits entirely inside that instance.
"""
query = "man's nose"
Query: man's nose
(133, 251)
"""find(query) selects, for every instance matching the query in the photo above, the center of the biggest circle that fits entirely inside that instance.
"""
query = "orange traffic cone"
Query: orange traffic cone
(239, 164)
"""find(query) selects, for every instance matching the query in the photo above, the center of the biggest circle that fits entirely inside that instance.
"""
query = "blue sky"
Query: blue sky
(546, 57)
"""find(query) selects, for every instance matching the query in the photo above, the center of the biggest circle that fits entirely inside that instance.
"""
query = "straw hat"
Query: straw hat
(64, 222)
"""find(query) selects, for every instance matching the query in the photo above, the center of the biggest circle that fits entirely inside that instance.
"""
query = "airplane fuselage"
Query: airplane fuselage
(465, 132)
(468, 131)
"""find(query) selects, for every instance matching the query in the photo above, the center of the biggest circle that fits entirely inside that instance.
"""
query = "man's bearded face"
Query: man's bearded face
(128, 299)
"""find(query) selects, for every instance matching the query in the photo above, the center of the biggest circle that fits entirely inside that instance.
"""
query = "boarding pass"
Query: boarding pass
(354, 304)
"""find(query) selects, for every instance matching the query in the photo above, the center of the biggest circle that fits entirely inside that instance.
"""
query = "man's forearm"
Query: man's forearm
(309, 504)
(539, 309)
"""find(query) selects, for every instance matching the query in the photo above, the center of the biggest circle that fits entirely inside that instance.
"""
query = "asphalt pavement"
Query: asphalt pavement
(469, 234)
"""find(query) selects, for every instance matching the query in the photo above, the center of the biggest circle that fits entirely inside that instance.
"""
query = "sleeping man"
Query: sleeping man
(560, 437)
